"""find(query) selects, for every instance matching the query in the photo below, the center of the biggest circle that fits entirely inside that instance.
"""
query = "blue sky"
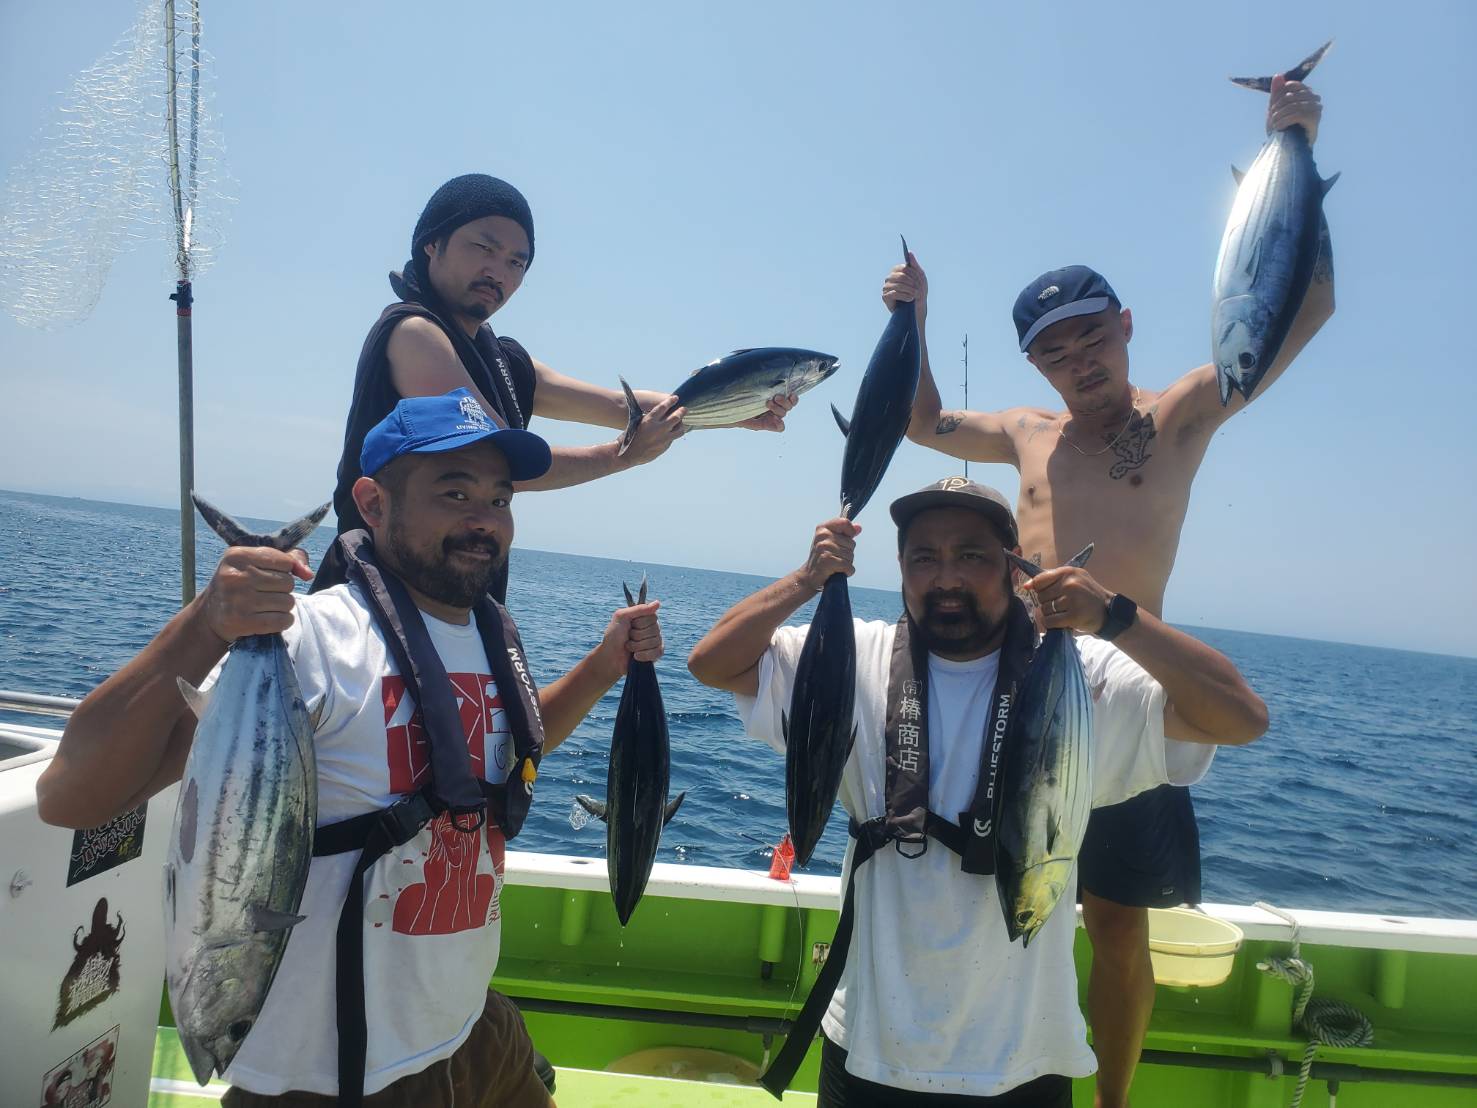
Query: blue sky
(705, 177)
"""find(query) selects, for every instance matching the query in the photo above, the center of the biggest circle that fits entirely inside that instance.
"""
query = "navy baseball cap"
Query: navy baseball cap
(1058, 295)
(956, 492)
(435, 424)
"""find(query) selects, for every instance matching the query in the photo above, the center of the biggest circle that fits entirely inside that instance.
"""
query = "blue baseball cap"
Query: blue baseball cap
(1058, 295)
(436, 424)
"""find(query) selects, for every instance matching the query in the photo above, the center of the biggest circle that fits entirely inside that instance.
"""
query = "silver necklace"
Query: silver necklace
(1133, 410)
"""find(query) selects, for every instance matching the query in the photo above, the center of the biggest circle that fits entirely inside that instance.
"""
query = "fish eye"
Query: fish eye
(1247, 359)
(238, 1030)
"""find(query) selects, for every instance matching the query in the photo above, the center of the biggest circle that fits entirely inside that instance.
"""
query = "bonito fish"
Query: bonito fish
(1046, 794)
(1267, 252)
(635, 808)
(818, 728)
(739, 386)
(243, 833)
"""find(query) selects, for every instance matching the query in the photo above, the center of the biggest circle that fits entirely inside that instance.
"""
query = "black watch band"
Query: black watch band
(1121, 615)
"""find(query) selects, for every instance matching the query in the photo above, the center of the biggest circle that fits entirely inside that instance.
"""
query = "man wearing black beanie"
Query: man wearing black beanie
(471, 249)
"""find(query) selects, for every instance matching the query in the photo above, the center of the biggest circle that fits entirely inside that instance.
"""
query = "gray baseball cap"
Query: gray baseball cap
(957, 492)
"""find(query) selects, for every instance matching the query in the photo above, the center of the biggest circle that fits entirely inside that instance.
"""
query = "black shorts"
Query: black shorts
(1145, 852)
(840, 1089)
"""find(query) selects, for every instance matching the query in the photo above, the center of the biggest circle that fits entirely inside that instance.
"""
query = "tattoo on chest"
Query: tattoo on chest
(1131, 450)
(948, 421)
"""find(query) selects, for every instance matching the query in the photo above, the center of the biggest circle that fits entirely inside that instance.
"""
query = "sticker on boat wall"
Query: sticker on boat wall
(93, 976)
(99, 849)
(85, 1080)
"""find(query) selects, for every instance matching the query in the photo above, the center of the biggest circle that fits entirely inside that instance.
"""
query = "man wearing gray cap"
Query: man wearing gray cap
(932, 1002)
(1114, 467)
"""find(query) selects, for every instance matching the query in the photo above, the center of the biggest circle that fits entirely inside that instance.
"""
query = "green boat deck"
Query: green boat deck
(719, 959)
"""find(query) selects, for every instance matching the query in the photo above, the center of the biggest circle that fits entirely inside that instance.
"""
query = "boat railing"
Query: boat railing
(57, 707)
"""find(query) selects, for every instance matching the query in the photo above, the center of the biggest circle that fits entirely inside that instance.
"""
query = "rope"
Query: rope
(1325, 1022)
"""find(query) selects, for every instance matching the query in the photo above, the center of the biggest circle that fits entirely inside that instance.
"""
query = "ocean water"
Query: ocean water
(1362, 796)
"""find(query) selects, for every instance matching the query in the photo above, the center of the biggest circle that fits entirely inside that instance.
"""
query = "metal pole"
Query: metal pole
(183, 298)
(966, 389)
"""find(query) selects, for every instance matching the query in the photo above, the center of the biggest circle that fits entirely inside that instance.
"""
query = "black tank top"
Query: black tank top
(375, 397)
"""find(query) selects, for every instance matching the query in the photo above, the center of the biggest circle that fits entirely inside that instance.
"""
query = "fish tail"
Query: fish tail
(234, 534)
(905, 249)
(1298, 72)
(1080, 559)
(633, 419)
(596, 808)
(1025, 565)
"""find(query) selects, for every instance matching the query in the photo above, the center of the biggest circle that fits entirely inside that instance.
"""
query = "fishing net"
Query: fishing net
(127, 158)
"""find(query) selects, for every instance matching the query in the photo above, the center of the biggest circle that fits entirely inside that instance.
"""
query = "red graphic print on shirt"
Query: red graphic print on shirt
(457, 892)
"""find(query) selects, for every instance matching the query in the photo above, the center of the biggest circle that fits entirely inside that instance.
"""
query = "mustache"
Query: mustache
(496, 289)
(932, 600)
(473, 545)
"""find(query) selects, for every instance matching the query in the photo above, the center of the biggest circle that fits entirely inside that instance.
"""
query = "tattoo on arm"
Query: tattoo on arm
(1323, 264)
(948, 421)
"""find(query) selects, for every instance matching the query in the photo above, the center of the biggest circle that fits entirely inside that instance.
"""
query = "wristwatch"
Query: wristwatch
(1122, 612)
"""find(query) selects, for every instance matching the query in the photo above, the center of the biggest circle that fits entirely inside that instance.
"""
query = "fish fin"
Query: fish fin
(671, 809)
(596, 808)
(195, 698)
(1025, 565)
(399, 287)
(841, 421)
(633, 419)
(233, 534)
(905, 249)
(269, 919)
(295, 532)
(630, 600)
(315, 715)
(1239, 174)
(202, 1061)
(785, 727)
(1329, 181)
(641, 596)
(1223, 379)
(1298, 72)
(1082, 555)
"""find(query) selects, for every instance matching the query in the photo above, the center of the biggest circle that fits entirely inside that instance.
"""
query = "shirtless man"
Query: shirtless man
(1114, 468)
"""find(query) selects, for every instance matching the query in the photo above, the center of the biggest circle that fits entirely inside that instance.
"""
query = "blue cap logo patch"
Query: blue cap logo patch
(1050, 290)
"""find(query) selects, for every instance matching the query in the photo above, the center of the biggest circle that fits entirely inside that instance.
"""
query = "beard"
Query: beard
(477, 308)
(441, 578)
(964, 630)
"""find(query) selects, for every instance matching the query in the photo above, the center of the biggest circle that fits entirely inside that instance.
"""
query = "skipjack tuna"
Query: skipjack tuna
(635, 808)
(1267, 252)
(243, 833)
(1047, 791)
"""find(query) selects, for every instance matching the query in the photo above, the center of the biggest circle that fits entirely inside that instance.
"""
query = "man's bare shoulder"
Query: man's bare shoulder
(417, 340)
(1024, 424)
(1188, 408)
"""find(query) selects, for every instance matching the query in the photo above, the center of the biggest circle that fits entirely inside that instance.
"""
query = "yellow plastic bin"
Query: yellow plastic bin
(1189, 948)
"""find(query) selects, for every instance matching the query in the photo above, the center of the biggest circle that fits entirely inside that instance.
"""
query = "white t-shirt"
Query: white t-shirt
(431, 916)
(934, 996)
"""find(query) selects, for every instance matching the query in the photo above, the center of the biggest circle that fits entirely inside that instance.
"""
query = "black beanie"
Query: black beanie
(463, 199)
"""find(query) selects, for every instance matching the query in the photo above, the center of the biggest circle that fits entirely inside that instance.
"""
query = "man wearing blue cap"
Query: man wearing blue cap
(1114, 468)
(428, 739)
(471, 249)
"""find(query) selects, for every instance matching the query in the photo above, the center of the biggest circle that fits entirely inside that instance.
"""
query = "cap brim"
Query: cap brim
(905, 508)
(1091, 306)
(528, 455)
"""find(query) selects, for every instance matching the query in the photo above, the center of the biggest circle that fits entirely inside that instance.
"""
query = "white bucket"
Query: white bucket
(1189, 948)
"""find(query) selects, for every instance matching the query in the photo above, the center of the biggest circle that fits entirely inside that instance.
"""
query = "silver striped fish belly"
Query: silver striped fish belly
(1265, 262)
(1046, 814)
(239, 851)
(739, 386)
